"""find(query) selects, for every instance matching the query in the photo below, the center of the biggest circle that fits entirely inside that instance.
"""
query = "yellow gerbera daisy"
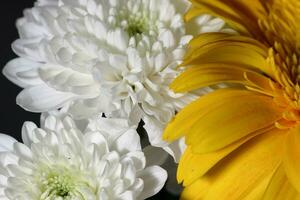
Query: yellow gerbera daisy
(243, 142)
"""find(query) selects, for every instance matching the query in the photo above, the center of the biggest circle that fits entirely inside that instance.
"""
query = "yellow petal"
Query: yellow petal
(213, 37)
(232, 21)
(229, 117)
(226, 51)
(220, 48)
(196, 191)
(260, 83)
(244, 174)
(211, 74)
(192, 166)
(216, 102)
(292, 157)
(280, 188)
(242, 15)
(199, 189)
(184, 120)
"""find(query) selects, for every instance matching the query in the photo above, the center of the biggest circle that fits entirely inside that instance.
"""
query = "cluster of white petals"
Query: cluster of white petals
(59, 161)
(105, 56)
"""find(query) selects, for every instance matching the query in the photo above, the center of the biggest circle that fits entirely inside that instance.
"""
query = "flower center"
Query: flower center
(60, 185)
(136, 26)
(57, 183)
(138, 23)
(281, 27)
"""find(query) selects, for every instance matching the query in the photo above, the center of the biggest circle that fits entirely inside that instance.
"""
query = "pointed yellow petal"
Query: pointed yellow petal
(184, 120)
(226, 51)
(196, 191)
(229, 117)
(242, 15)
(292, 157)
(244, 174)
(260, 83)
(213, 37)
(280, 188)
(196, 114)
(211, 74)
(223, 48)
(199, 189)
(192, 166)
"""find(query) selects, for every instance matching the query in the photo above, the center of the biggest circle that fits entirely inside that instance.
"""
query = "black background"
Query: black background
(12, 116)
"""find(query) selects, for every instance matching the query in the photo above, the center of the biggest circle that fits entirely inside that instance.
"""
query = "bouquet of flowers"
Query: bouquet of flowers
(126, 89)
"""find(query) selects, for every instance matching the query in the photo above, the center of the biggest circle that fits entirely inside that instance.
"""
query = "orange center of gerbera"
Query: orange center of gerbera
(281, 29)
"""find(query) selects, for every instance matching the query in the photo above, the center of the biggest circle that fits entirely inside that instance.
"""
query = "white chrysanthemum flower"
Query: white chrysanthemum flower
(105, 56)
(61, 162)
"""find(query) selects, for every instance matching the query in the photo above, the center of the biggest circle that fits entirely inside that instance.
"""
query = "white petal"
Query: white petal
(80, 110)
(118, 62)
(128, 195)
(69, 80)
(22, 72)
(95, 138)
(167, 38)
(154, 130)
(182, 6)
(46, 2)
(7, 158)
(22, 151)
(185, 40)
(57, 123)
(6, 143)
(112, 128)
(29, 29)
(50, 123)
(27, 132)
(167, 11)
(61, 75)
(161, 61)
(203, 24)
(128, 141)
(96, 27)
(91, 7)
(138, 159)
(134, 60)
(176, 149)
(42, 98)
(29, 48)
(135, 115)
(118, 39)
(129, 172)
(154, 180)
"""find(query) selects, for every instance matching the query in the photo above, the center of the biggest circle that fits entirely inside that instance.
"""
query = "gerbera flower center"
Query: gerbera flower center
(280, 29)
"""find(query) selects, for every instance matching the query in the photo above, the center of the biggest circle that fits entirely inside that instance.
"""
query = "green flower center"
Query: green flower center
(137, 23)
(59, 185)
(136, 26)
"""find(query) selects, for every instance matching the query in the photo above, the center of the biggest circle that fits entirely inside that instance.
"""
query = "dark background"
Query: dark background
(12, 116)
